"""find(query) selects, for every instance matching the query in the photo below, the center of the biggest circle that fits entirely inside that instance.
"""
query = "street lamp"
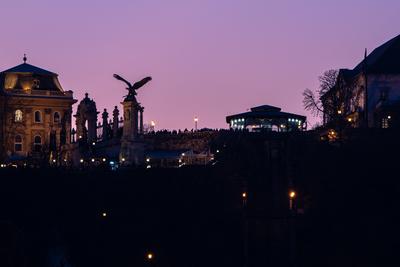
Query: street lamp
(292, 196)
(244, 198)
(195, 123)
(153, 126)
(150, 258)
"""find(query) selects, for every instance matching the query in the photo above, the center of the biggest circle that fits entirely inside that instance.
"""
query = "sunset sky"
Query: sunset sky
(208, 58)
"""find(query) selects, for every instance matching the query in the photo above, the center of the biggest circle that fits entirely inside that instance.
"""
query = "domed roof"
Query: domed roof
(29, 77)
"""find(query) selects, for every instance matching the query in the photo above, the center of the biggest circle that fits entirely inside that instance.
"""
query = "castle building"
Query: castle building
(369, 94)
(35, 114)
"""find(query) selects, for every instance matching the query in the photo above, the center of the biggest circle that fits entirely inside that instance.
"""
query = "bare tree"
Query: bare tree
(312, 100)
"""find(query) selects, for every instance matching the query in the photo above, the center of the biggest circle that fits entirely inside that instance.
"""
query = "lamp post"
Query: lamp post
(292, 196)
(245, 229)
(195, 123)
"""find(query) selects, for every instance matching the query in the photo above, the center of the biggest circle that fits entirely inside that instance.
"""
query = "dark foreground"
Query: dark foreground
(345, 212)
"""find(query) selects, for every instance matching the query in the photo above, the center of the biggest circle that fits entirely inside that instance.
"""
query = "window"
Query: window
(18, 115)
(37, 143)
(36, 84)
(385, 123)
(56, 117)
(18, 143)
(38, 116)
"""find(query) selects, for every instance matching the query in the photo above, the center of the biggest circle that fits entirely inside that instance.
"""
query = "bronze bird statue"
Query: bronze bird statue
(133, 88)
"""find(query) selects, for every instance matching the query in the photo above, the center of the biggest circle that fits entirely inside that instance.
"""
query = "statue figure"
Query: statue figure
(132, 88)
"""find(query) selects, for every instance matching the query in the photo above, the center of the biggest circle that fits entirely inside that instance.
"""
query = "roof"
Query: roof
(383, 59)
(28, 68)
(265, 108)
(266, 113)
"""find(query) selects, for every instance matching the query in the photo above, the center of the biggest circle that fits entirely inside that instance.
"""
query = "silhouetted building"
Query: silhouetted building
(267, 118)
(35, 115)
(369, 94)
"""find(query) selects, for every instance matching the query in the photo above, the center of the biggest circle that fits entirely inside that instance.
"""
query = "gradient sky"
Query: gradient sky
(208, 58)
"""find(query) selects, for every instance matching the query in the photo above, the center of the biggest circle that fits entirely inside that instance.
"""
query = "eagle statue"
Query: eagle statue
(133, 88)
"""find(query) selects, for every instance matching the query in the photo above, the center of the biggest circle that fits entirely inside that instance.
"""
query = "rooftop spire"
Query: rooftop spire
(24, 58)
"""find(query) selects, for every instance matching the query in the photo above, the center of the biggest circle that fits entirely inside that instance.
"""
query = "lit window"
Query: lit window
(18, 115)
(385, 123)
(37, 143)
(38, 116)
(18, 143)
(56, 117)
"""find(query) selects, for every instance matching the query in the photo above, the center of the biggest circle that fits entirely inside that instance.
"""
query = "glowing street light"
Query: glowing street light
(244, 199)
(104, 214)
(149, 256)
(196, 120)
(153, 126)
(292, 196)
(81, 160)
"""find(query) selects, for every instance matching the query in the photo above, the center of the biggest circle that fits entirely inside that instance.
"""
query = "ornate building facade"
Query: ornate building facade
(35, 115)
(368, 95)
(36, 118)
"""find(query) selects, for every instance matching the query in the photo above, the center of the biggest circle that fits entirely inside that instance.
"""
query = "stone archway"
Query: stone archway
(86, 113)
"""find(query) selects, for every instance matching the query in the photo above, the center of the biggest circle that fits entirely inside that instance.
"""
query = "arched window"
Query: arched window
(37, 143)
(38, 116)
(56, 117)
(18, 115)
(18, 143)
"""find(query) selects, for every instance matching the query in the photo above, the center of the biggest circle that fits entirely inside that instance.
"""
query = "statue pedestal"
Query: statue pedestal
(132, 146)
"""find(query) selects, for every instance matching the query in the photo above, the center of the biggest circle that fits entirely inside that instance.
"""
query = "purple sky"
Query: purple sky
(208, 58)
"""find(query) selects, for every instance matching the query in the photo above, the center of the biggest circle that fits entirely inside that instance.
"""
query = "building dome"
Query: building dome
(28, 77)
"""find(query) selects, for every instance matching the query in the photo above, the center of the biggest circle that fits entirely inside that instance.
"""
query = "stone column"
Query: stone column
(47, 125)
(115, 122)
(130, 130)
(141, 120)
(28, 140)
(67, 116)
(105, 125)
(92, 127)
(132, 149)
